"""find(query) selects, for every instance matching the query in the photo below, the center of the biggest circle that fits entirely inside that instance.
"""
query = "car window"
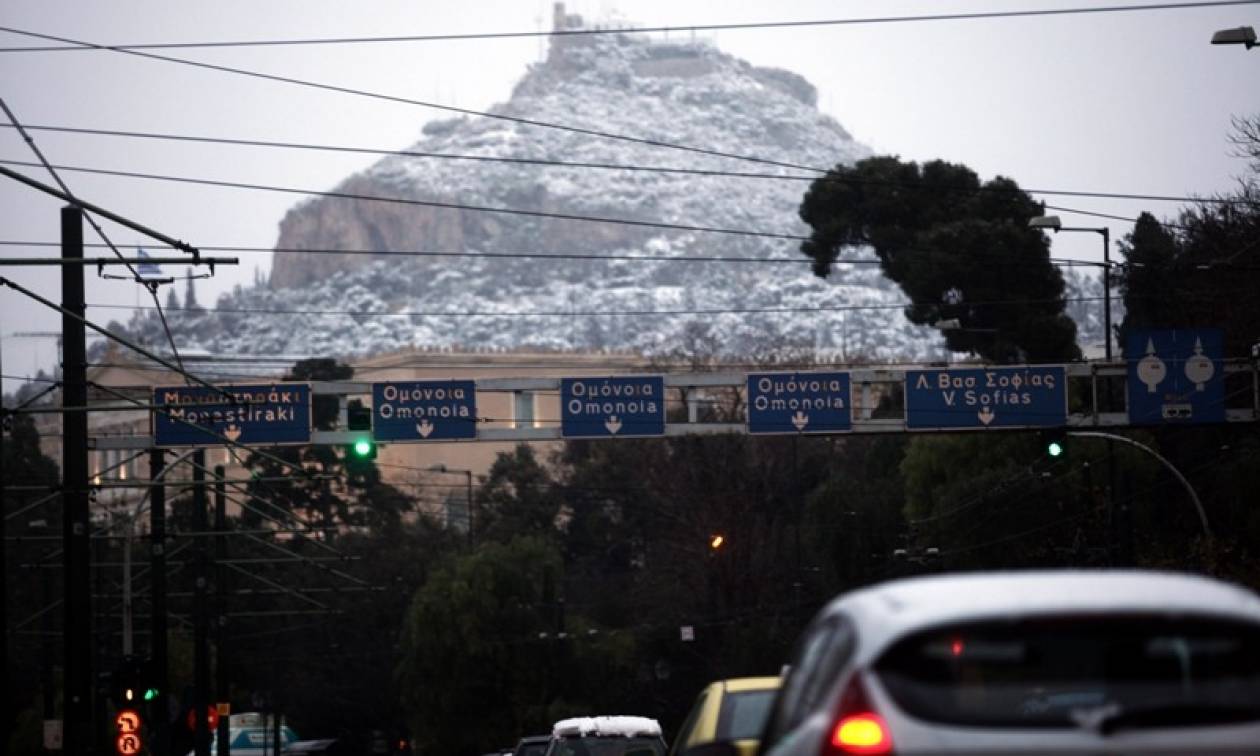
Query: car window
(743, 714)
(1057, 672)
(821, 655)
(687, 731)
(532, 749)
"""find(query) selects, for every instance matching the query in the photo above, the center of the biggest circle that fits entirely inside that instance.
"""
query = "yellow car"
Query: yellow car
(733, 711)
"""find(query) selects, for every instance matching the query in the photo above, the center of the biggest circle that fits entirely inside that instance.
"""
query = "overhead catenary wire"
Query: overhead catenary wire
(411, 101)
(151, 287)
(712, 27)
(589, 165)
(549, 125)
(559, 255)
(577, 217)
(592, 313)
(425, 203)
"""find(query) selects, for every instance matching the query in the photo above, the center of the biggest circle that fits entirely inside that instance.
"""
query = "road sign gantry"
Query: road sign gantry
(876, 400)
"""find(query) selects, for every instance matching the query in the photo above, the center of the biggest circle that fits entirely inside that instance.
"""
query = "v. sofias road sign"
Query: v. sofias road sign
(268, 414)
(1027, 396)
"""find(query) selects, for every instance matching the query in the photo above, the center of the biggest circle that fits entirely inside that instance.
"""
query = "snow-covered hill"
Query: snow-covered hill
(664, 91)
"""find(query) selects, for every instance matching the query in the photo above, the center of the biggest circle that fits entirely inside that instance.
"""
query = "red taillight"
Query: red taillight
(858, 729)
(862, 733)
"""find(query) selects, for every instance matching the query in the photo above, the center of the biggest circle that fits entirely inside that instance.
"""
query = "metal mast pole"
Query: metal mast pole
(77, 558)
(157, 570)
(201, 657)
(222, 694)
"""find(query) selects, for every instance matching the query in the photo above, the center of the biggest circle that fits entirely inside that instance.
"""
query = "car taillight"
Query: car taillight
(858, 729)
(862, 733)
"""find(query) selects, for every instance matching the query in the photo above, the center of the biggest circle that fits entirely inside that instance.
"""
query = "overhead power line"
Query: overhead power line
(589, 165)
(572, 313)
(424, 203)
(473, 208)
(421, 103)
(150, 286)
(588, 256)
(650, 29)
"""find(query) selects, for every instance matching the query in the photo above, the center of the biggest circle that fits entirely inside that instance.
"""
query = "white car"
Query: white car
(1062, 662)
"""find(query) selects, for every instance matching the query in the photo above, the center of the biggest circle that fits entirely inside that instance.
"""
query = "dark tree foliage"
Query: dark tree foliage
(308, 495)
(27, 591)
(517, 498)
(961, 250)
(1197, 271)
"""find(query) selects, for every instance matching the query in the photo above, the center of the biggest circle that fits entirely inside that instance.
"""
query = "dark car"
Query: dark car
(533, 745)
(606, 736)
(325, 747)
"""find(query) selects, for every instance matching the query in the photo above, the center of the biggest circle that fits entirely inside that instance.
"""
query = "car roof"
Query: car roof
(614, 726)
(889, 610)
(742, 684)
(528, 739)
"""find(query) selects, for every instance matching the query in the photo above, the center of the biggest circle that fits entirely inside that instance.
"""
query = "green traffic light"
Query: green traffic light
(362, 447)
(150, 694)
(1054, 448)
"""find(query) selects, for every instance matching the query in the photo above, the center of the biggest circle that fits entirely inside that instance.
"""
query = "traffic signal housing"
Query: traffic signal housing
(363, 447)
(126, 683)
(1054, 442)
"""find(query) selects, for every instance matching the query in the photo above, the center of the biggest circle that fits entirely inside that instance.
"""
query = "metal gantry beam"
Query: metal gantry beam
(1087, 382)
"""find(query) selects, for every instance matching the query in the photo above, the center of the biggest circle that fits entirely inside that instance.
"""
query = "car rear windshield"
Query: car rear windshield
(743, 714)
(607, 746)
(1078, 671)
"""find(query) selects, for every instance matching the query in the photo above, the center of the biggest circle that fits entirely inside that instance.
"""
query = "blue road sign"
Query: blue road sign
(424, 410)
(1028, 396)
(798, 403)
(1176, 376)
(612, 406)
(268, 414)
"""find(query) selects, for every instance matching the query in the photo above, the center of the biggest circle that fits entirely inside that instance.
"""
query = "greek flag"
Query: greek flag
(146, 269)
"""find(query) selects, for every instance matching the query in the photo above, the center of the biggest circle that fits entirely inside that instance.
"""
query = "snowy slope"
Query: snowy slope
(683, 93)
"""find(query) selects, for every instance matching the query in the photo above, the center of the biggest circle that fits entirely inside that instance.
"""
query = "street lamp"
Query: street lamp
(1053, 223)
(1243, 35)
(442, 468)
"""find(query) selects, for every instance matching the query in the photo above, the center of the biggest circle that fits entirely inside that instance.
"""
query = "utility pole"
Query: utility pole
(5, 716)
(77, 684)
(222, 695)
(157, 570)
(201, 657)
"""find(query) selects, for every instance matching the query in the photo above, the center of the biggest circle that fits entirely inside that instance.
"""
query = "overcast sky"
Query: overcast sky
(1134, 102)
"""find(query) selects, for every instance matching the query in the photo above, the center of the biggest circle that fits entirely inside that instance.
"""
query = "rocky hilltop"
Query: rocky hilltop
(665, 91)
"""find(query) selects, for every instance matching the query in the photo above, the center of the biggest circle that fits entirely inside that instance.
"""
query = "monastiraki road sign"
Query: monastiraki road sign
(266, 414)
(424, 410)
(613, 406)
(1028, 396)
(798, 403)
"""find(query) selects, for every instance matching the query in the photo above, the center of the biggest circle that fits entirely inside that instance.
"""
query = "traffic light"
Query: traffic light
(125, 683)
(716, 542)
(148, 682)
(1054, 442)
(359, 418)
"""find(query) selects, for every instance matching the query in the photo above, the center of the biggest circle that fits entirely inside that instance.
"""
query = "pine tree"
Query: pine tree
(961, 250)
